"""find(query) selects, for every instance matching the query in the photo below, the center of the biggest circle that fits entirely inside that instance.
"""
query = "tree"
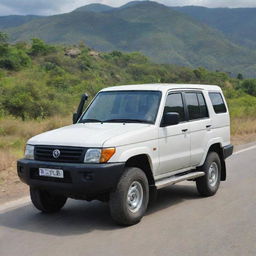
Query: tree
(40, 48)
(198, 74)
(249, 86)
(240, 76)
(3, 44)
(3, 38)
(14, 59)
(11, 57)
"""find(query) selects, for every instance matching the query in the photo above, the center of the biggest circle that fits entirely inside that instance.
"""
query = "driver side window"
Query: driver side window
(174, 103)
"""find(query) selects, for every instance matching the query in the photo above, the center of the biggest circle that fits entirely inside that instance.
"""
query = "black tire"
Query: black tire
(209, 184)
(45, 201)
(132, 182)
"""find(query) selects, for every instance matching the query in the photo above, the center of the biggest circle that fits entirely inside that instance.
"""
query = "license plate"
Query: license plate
(54, 173)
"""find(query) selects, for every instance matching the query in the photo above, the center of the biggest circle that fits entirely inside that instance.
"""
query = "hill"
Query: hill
(94, 8)
(237, 24)
(15, 20)
(133, 3)
(163, 34)
(39, 81)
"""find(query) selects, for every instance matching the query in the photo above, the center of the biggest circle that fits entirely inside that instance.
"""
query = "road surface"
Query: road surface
(180, 223)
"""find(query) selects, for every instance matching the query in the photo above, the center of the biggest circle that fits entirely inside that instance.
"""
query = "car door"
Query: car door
(199, 125)
(174, 141)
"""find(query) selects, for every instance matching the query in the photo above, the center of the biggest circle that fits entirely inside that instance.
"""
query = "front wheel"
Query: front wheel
(209, 184)
(129, 202)
(45, 201)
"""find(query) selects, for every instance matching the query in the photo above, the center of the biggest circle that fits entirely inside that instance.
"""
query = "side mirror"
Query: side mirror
(170, 118)
(80, 108)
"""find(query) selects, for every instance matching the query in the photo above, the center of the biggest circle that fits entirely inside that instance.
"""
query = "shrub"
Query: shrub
(40, 48)
(54, 83)
(249, 86)
(14, 59)
(33, 100)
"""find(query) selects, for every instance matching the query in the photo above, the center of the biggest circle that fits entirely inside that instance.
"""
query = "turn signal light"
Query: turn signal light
(106, 154)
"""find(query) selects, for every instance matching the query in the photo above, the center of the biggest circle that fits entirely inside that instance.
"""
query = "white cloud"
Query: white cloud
(48, 7)
(212, 3)
(4, 10)
(41, 7)
(77, 3)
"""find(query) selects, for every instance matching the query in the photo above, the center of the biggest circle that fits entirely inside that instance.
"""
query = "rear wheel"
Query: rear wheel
(45, 201)
(130, 200)
(208, 184)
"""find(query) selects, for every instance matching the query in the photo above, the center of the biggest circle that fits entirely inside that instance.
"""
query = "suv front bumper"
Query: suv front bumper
(80, 180)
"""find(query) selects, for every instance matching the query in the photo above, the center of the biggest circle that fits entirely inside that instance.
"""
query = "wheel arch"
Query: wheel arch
(217, 147)
(143, 162)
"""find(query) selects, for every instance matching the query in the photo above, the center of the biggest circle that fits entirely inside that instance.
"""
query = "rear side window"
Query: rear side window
(174, 103)
(202, 105)
(193, 105)
(217, 102)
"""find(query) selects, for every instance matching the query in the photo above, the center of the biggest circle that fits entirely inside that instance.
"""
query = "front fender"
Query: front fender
(123, 154)
(134, 152)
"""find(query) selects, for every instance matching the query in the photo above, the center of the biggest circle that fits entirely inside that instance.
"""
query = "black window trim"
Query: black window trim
(183, 94)
(195, 91)
(205, 105)
(186, 106)
(225, 104)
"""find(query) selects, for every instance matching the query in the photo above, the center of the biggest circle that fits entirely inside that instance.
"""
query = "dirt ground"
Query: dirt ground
(12, 188)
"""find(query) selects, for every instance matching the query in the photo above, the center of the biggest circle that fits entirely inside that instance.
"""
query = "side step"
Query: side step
(175, 179)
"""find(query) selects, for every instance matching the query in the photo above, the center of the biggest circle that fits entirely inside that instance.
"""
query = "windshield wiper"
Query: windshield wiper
(120, 120)
(127, 121)
(90, 121)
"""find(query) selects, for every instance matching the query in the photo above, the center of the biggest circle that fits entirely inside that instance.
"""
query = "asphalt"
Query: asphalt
(179, 223)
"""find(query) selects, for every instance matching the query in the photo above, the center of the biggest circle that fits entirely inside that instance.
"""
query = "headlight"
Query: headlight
(29, 152)
(97, 155)
(92, 155)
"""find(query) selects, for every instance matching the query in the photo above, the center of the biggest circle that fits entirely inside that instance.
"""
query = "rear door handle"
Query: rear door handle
(208, 126)
(184, 130)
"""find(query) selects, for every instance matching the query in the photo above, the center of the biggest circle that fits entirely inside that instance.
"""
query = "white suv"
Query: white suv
(129, 142)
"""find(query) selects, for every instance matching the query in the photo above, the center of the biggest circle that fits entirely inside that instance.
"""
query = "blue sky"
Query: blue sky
(48, 7)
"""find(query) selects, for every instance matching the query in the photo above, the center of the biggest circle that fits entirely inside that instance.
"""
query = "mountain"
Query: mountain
(175, 38)
(163, 34)
(15, 20)
(102, 31)
(94, 8)
(132, 3)
(237, 24)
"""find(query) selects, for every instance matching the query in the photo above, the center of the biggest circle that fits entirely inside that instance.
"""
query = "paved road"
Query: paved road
(180, 223)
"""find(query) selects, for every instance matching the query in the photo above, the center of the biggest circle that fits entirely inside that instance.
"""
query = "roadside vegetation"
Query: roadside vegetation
(41, 85)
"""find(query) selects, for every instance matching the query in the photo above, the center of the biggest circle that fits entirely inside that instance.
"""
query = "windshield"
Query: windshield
(123, 106)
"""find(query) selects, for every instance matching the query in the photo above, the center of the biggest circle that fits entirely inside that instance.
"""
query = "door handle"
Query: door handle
(208, 126)
(184, 130)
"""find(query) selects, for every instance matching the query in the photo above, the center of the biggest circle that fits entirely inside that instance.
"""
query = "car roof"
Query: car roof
(162, 87)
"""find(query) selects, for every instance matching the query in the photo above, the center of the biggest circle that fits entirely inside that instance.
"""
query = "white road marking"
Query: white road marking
(14, 204)
(244, 150)
(26, 200)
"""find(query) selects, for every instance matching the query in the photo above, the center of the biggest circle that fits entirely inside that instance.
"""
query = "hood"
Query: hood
(85, 135)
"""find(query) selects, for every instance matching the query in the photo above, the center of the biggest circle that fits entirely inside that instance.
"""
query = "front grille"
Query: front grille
(67, 154)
